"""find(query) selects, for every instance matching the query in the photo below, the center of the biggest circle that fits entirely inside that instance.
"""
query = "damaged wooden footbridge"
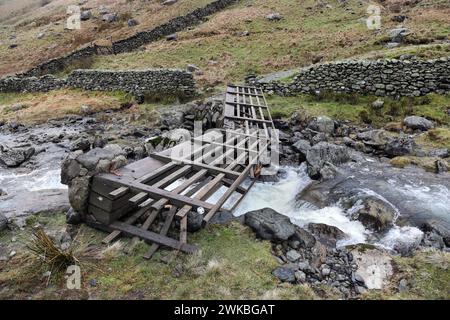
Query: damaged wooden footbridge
(208, 173)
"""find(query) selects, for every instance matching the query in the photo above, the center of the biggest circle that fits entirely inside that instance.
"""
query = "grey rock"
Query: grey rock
(376, 214)
(284, 274)
(418, 123)
(73, 217)
(292, 255)
(305, 238)
(274, 17)
(397, 35)
(326, 234)
(194, 221)
(377, 104)
(400, 146)
(3, 222)
(132, 22)
(172, 37)
(109, 17)
(269, 224)
(300, 276)
(403, 285)
(322, 124)
(322, 153)
(85, 15)
(14, 157)
(79, 193)
(169, 2)
(440, 153)
(302, 147)
(374, 138)
(82, 144)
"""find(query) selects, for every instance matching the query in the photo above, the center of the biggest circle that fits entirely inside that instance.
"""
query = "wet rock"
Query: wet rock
(302, 147)
(376, 214)
(192, 68)
(284, 274)
(400, 146)
(82, 144)
(269, 224)
(3, 193)
(304, 238)
(374, 138)
(3, 222)
(14, 157)
(70, 169)
(326, 234)
(323, 153)
(441, 166)
(418, 123)
(322, 124)
(441, 228)
(73, 217)
(439, 153)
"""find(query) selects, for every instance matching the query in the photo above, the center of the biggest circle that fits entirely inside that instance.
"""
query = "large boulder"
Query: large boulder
(376, 214)
(325, 153)
(322, 124)
(400, 146)
(284, 274)
(374, 138)
(269, 224)
(14, 157)
(302, 147)
(418, 123)
(326, 234)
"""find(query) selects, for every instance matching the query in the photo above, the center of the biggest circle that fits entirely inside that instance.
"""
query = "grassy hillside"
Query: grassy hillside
(22, 21)
(310, 30)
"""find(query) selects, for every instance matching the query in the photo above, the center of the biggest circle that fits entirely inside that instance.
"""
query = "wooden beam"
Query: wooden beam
(140, 197)
(118, 192)
(152, 175)
(248, 119)
(155, 193)
(165, 228)
(153, 237)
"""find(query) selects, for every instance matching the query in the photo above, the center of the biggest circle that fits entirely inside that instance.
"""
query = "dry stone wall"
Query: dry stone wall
(137, 82)
(132, 43)
(381, 78)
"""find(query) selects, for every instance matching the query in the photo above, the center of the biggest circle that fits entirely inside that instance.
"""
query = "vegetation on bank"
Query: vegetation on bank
(233, 264)
(358, 108)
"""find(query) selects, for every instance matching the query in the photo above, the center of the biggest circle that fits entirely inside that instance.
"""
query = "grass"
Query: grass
(43, 106)
(435, 138)
(427, 163)
(232, 265)
(306, 32)
(357, 108)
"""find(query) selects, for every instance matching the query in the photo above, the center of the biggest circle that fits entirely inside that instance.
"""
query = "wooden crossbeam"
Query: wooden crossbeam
(153, 237)
(157, 172)
(165, 228)
(248, 119)
(117, 193)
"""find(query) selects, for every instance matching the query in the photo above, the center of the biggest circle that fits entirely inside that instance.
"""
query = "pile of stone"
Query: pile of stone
(308, 255)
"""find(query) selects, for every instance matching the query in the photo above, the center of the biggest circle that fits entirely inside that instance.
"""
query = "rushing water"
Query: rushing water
(410, 190)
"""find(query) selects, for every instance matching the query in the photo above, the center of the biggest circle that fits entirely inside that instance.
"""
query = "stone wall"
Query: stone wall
(137, 82)
(381, 78)
(131, 43)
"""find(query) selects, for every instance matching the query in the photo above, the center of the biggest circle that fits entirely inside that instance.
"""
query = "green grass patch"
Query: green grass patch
(357, 108)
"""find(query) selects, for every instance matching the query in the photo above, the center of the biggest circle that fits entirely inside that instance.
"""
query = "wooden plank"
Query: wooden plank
(130, 220)
(233, 103)
(157, 172)
(230, 190)
(198, 166)
(248, 119)
(140, 197)
(155, 193)
(166, 181)
(165, 228)
(118, 192)
(183, 229)
(153, 237)
(107, 204)
(152, 216)
(247, 94)
(107, 217)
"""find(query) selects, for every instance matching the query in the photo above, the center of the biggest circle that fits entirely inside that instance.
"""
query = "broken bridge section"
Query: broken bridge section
(207, 173)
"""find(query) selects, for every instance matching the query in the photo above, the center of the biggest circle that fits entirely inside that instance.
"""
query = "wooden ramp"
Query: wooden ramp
(202, 174)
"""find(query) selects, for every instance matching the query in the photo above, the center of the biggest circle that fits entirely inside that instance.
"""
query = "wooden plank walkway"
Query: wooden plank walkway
(214, 169)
